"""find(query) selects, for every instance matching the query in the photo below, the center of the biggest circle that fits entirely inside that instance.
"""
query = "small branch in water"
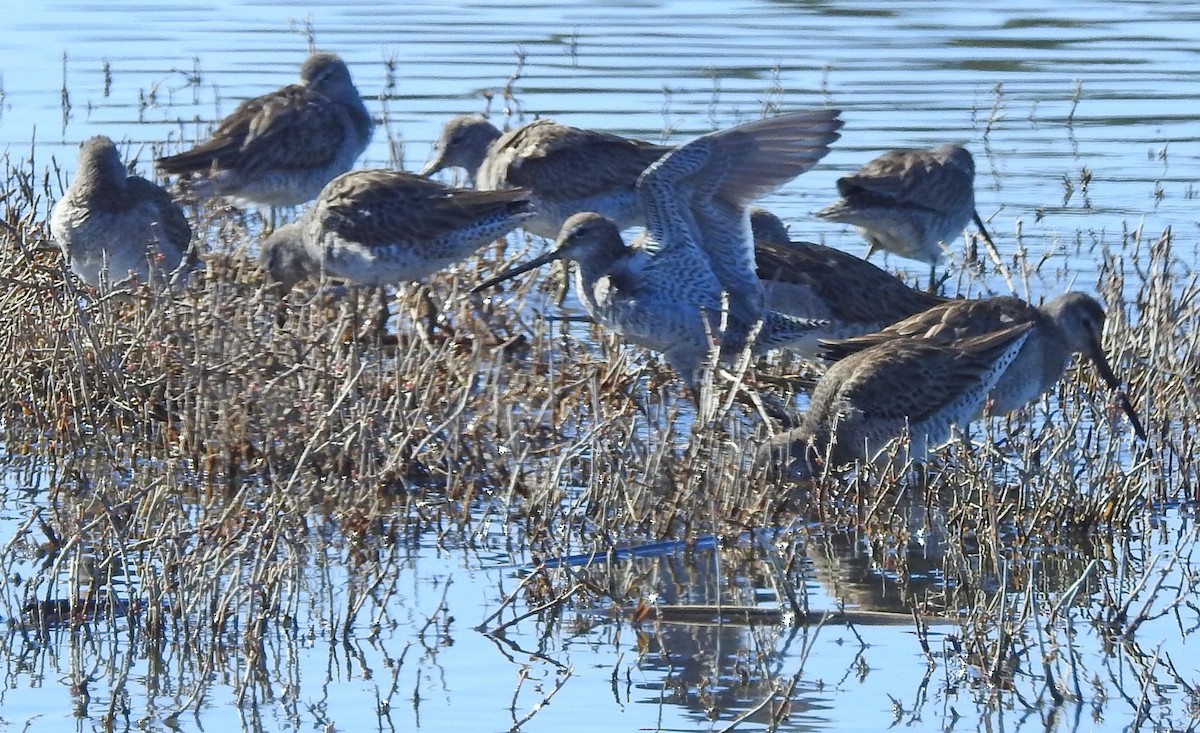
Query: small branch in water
(1075, 97)
(558, 685)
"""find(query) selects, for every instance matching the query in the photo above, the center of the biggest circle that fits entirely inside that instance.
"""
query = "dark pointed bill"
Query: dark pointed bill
(1106, 373)
(533, 264)
(432, 166)
(982, 229)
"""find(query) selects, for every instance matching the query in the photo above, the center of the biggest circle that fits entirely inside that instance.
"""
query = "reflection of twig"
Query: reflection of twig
(441, 606)
(558, 685)
(497, 640)
(1056, 693)
(778, 714)
(923, 636)
(508, 601)
(1067, 600)
(1178, 678)
(499, 630)
(772, 558)
(1122, 621)
(1142, 706)
(615, 690)
(383, 705)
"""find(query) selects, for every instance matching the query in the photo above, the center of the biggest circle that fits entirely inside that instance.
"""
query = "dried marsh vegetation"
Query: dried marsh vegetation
(226, 467)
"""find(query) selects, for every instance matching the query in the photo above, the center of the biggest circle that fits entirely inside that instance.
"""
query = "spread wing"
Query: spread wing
(697, 195)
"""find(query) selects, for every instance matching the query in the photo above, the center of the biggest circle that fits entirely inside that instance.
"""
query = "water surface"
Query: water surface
(1082, 118)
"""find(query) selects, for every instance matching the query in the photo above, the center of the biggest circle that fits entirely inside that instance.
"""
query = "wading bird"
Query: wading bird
(568, 170)
(281, 149)
(1070, 324)
(111, 225)
(910, 201)
(809, 280)
(695, 280)
(908, 388)
(380, 227)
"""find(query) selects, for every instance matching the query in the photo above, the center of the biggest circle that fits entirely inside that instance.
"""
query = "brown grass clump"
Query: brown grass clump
(209, 451)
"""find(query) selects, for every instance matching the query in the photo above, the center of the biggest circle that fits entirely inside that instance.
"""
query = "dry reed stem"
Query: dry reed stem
(207, 450)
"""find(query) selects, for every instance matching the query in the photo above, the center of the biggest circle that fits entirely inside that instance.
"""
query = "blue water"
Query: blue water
(1003, 80)
(1039, 93)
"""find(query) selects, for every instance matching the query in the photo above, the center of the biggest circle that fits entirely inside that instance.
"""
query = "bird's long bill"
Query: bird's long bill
(982, 229)
(533, 264)
(1106, 373)
(432, 166)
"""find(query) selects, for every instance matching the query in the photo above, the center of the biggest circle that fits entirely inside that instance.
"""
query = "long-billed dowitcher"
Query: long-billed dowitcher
(281, 149)
(379, 227)
(1070, 324)
(909, 387)
(910, 201)
(809, 280)
(569, 170)
(111, 225)
(696, 202)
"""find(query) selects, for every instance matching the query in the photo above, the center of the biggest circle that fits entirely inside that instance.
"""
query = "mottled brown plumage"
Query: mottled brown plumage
(914, 388)
(280, 149)
(380, 226)
(1069, 324)
(568, 169)
(910, 201)
(813, 281)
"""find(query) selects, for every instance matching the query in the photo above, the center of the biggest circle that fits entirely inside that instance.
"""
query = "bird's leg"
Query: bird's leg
(348, 321)
(934, 284)
(432, 311)
(380, 329)
(273, 218)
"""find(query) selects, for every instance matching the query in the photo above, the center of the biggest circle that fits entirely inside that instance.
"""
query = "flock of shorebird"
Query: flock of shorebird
(710, 272)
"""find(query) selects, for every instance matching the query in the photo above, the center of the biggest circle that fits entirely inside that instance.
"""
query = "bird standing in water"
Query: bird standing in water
(911, 388)
(696, 281)
(568, 170)
(1070, 324)
(910, 202)
(281, 149)
(379, 227)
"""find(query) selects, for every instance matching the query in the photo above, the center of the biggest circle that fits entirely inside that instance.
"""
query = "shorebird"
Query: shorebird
(280, 149)
(910, 201)
(695, 199)
(111, 225)
(379, 227)
(568, 170)
(909, 387)
(1070, 324)
(809, 280)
